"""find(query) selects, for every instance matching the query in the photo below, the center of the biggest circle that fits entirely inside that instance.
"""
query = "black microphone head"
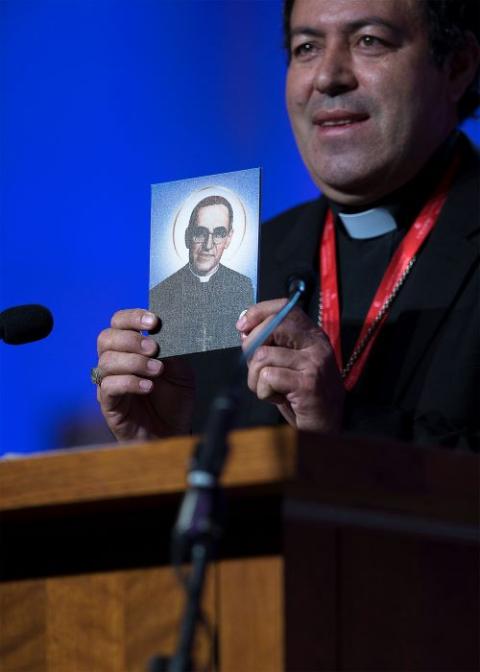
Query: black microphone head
(24, 324)
(302, 280)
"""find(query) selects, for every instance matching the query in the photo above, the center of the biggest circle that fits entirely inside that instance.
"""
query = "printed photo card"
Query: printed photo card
(203, 259)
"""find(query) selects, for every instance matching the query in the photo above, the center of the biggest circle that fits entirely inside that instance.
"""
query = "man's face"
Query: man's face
(367, 104)
(211, 235)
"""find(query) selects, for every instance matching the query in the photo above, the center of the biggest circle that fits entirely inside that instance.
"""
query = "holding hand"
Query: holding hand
(296, 370)
(140, 396)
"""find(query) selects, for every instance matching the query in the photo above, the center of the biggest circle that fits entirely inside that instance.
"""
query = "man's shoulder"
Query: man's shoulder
(469, 146)
(171, 280)
(304, 211)
(234, 276)
(471, 155)
(461, 212)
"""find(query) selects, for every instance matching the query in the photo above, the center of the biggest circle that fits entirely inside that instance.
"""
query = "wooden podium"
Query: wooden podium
(338, 554)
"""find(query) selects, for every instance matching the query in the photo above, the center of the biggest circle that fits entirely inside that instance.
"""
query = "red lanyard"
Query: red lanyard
(394, 276)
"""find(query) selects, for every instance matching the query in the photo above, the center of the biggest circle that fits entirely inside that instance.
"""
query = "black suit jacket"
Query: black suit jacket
(422, 380)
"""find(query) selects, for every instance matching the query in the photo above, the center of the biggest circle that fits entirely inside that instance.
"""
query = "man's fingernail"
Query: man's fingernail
(145, 385)
(148, 320)
(242, 320)
(154, 365)
(146, 345)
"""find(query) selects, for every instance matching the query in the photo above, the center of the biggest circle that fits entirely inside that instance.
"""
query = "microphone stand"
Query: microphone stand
(199, 524)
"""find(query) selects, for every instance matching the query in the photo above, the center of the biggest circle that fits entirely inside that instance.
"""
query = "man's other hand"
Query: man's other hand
(296, 370)
(140, 396)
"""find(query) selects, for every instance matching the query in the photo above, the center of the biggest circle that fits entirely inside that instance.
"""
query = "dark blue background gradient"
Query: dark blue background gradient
(98, 100)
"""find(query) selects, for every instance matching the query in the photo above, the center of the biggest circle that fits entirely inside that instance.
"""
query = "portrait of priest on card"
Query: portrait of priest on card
(203, 262)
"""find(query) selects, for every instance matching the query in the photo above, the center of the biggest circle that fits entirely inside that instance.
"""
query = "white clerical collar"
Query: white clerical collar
(207, 276)
(369, 223)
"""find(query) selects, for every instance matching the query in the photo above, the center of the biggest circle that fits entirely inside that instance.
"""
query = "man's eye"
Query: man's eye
(200, 234)
(303, 50)
(220, 232)
(371, 41)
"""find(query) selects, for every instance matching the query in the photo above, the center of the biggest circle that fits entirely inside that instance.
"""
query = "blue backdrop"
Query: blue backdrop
(98, 100)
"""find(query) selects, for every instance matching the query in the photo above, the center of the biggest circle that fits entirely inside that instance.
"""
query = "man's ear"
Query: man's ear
(463, 64)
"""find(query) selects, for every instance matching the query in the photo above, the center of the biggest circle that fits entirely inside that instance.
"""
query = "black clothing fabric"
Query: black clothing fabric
(367, 260)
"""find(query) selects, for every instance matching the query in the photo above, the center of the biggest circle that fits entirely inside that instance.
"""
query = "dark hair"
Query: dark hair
(208, 200)
(448, 22)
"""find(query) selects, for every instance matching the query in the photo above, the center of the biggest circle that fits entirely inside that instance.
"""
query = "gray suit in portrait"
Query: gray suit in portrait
(198, 316)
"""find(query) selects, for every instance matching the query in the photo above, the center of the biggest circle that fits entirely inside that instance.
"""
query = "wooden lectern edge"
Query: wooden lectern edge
(112, 471)
(360, 472)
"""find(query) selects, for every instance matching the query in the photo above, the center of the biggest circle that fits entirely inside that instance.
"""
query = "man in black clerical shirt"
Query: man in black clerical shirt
(200, 303)
(389, 343)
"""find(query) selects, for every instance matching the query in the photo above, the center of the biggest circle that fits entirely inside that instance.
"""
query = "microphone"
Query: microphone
(24, 324)
(303, 281)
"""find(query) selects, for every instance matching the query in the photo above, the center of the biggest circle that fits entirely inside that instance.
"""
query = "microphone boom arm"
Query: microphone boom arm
(198, 525)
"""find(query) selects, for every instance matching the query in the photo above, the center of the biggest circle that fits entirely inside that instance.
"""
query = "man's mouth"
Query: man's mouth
(338, 118)
(343, 122)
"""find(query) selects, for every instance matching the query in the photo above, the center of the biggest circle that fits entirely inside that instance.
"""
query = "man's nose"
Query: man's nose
(334, 73)
(208, 243)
